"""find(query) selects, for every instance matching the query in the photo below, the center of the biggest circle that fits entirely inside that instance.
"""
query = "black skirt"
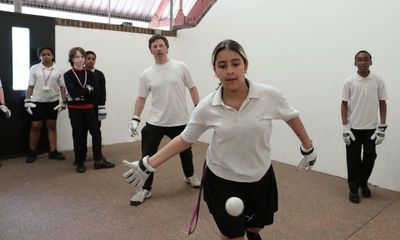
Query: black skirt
(260, 202)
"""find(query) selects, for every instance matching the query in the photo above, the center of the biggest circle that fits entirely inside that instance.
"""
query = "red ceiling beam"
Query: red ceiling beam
(199, 9)
(155, 20)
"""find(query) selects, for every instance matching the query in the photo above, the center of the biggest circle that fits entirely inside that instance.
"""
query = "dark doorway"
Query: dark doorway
(14, 131)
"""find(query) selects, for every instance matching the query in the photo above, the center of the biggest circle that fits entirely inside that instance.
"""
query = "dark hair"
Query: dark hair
(91, 52)
(72, 54)
(40, 50)
(230, 45)
(363, 51)
(156, 37)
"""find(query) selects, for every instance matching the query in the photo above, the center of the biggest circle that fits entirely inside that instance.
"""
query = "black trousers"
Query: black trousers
(361, 155)
(83, 120)
(151, 138)
(96, 109)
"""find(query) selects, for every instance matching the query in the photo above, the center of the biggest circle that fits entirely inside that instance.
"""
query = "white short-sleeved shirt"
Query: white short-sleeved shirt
(46, 81)
(167, 84)
(0, 84)
(240, 145)
(363, 96)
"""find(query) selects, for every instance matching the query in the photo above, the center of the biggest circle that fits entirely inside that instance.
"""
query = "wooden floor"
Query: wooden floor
(49, 200)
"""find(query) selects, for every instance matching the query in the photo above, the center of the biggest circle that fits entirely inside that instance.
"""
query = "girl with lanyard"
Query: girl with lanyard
(238, 111)
(82, 89)
(42, 102)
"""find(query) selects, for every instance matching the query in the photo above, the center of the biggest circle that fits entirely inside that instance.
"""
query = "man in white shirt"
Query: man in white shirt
(166, 80)
(363, 94)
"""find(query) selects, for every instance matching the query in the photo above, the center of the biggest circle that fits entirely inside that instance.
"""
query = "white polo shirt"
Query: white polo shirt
(167, 84)
(240, 146)
(46, 82)
(363, 95)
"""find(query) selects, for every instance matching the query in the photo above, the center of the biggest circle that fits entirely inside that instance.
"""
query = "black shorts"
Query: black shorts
(44, 110)
(260, 200)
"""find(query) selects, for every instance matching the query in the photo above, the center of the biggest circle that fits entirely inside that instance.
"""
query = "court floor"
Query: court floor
(49, 200)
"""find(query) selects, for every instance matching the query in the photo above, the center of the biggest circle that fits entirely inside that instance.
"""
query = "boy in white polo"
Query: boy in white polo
(46, 83)
(363, 94)
(166, 80)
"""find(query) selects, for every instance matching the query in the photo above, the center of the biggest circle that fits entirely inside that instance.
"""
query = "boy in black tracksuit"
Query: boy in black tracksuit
(99, 100)
(82, 89)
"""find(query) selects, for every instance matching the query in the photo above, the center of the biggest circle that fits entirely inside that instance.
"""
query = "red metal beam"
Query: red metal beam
(155, 20)
(199, 9)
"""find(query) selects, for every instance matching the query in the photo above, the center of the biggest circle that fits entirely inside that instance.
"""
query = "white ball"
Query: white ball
(234, 206)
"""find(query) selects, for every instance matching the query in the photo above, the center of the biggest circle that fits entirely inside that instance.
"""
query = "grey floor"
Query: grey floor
(49, 200)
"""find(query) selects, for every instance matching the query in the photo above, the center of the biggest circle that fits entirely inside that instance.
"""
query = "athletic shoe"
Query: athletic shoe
(81, 168)
(56, 155)
(103, 164)
(140, 196)
(354, 197)
(365, 192)
(31, 157)
(193, 181)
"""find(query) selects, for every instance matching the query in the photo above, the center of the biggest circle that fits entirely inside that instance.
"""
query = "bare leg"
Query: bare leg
(34, 135)
(52, 134)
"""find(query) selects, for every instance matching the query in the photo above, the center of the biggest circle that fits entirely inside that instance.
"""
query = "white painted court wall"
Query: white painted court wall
(304, 48)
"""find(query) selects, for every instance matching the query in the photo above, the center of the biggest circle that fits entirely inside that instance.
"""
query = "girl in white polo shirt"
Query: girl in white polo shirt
(46, 82)
(238, 160)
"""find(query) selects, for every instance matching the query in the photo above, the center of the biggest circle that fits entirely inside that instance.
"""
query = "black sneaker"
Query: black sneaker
(56, 155)
(81, 168)
(354, 197)
(365, 192)
(103, 164)
(31, 157)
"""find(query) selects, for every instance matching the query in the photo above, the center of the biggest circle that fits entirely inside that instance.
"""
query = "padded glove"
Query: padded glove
(29, 105)
(101, 113)
(60, 107)
(348, 135)
(138, 173)
(379, 134)
(89, 88)
(5, 110)
(133, 125)
(308, 160)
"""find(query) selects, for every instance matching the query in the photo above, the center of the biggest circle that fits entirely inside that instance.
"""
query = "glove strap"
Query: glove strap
(306, 151)
(145, 166)
(346, 127)
(136, 118)
(382, 127)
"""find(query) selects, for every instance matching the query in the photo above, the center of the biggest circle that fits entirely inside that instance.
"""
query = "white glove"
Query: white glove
(89, 88)
(5, 110)
(60, 107)
(308, 160)
(101, 113)
(28, 105)
(348, 135)
(133, 125)
(379, 134)
(138, 173)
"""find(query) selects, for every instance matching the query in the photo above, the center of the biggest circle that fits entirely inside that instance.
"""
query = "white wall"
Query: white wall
(304, 48)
